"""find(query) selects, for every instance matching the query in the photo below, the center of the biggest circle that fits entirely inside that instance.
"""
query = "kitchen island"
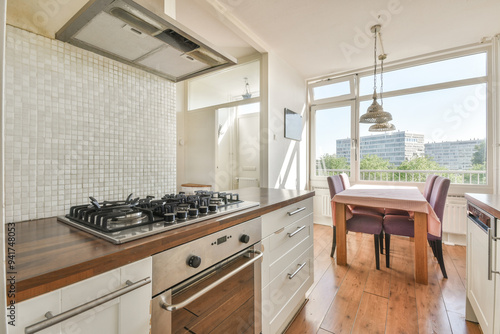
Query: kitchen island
(50, 255)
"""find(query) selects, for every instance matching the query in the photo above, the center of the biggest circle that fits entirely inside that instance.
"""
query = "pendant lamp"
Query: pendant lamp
(375, 112)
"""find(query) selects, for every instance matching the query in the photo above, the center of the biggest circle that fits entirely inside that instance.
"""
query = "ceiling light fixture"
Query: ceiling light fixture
(375, 112)
(247, 93)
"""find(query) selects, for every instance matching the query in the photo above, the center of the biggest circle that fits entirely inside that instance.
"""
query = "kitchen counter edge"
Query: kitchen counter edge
(488, 202)
(70, 255)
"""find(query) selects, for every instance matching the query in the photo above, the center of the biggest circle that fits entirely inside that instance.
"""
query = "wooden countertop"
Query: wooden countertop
(488, 202)
(50, 254)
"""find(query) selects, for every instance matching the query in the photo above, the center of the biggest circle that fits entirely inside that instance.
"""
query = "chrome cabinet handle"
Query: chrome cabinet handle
(173, 307)
(55, 319)
(296, 231)
(490, 247)
(296, 211)
(290, 276)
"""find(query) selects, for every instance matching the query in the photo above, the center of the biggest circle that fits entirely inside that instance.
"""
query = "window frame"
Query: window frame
(420, 60)
(329, 81)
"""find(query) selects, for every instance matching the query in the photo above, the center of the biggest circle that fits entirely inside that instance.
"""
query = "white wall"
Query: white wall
(3, 282)
(287, 159)
(78, 124)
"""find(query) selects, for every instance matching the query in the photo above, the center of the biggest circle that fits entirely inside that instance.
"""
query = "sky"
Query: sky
(441, 115)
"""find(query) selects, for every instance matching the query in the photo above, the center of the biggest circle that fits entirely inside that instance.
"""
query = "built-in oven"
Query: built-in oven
(211, 284)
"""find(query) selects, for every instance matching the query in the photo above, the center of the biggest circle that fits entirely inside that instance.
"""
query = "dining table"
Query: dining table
(390, 197)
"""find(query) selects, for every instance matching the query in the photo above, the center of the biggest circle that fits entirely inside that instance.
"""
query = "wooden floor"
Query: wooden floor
(360, 299)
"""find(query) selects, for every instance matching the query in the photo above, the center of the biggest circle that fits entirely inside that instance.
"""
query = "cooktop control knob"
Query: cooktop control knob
(245, 238)
(194, 261)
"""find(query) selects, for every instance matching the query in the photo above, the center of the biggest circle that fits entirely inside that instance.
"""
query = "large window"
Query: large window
(440, 110)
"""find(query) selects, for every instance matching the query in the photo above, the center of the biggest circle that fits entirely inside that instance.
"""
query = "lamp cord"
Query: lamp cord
(375, 66)
(381, 81)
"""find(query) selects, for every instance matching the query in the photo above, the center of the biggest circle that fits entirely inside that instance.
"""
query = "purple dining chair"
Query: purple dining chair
(401, 225)
(364, 223)
(365, 210)
(429, 182)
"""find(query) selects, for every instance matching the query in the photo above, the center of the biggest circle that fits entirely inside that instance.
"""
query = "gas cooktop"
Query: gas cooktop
(134, 218)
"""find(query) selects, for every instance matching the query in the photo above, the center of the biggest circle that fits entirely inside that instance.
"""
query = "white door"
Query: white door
(248, 152)
(238, 147)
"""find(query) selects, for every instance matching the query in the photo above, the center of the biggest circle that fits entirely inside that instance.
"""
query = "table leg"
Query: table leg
(420, 225)
(341, 229)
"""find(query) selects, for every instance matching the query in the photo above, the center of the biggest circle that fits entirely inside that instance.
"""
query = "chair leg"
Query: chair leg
(433, 247)
(381, 242)
(439, 251)
(334, 242)
(377, 261)
(387, 249)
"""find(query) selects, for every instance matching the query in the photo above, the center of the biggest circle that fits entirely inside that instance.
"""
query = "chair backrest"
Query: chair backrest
(438, 196)
(335, 185)
(428, 186)
(345, 180)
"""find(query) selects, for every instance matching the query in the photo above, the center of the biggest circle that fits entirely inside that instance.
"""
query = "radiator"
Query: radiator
(326, 207)
(455, 215)
(247, 182)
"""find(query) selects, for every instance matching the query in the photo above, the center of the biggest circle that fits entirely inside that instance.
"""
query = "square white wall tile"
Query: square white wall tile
(78, 124)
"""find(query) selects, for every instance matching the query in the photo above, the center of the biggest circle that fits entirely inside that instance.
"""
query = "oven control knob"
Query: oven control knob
(194, 261)
(245, 238)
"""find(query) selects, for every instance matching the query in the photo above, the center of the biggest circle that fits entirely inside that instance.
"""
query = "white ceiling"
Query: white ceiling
(310, 34)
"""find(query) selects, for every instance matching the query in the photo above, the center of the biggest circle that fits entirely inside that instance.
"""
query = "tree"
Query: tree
(479, 155)
(420, 163)
(331, 161)
(372, 162)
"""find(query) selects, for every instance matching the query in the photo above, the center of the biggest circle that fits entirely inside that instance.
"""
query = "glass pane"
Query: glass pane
(331, 90)
(466, 67)
(224, 86)
(333, 143)
(440, 132)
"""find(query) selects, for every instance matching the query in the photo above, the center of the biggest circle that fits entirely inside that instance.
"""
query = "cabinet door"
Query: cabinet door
(480, 290)
(135, 311)
(103, 319)
(31, 311)
(127, 314)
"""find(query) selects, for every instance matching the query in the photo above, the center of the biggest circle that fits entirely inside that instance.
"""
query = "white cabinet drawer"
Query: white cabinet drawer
(32, 311)
(125, 314)
(282, 248)
(283, 295)
(280, 218)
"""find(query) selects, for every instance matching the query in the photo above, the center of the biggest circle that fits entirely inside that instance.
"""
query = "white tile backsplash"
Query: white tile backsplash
(78, 124)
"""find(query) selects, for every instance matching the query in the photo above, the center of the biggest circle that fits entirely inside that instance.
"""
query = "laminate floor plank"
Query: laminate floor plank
(431, 309)
(402, 306)
(339, 297)
(372, 315)
(460, 326)
(322, 331)
(458, 256)
(323, 236)
(453, 289)
(341, 314)
(378, 282)
(320, 298)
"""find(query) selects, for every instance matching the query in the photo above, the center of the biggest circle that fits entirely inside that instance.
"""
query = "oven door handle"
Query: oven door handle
(221, 280)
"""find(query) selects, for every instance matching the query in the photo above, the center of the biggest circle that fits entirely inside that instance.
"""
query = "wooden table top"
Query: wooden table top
(50, 254)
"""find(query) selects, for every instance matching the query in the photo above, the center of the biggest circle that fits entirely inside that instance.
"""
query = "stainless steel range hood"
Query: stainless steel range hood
(137, 34)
